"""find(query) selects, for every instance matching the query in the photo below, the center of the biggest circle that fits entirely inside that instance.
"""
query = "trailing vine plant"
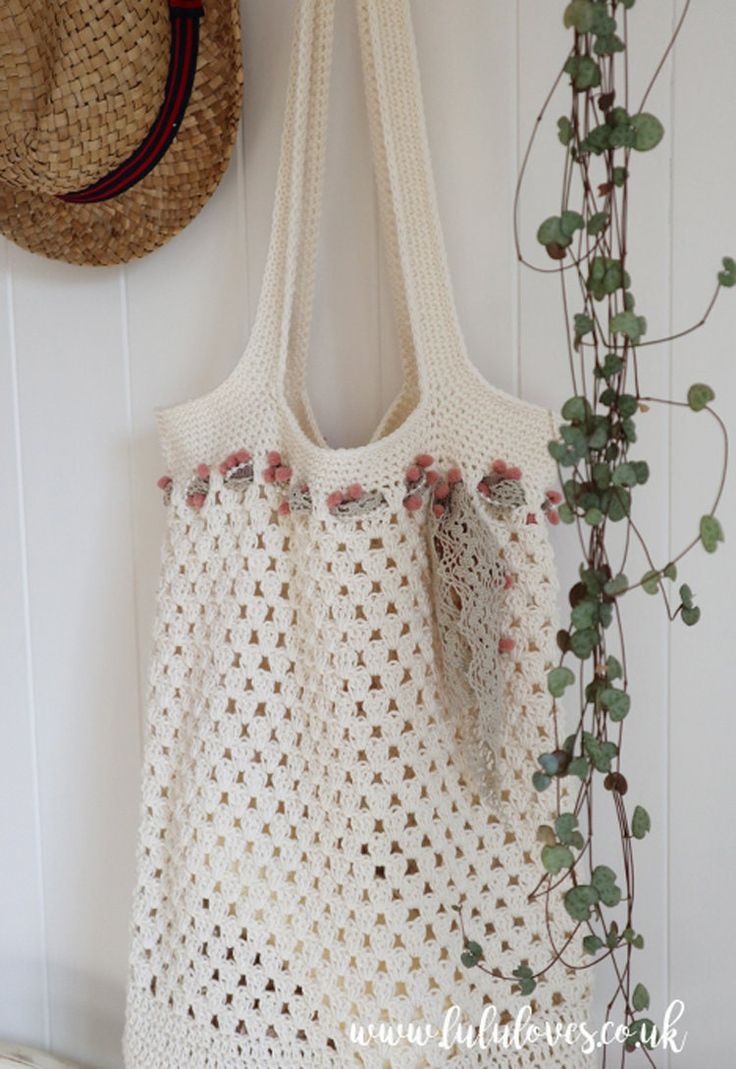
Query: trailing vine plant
(602, 475)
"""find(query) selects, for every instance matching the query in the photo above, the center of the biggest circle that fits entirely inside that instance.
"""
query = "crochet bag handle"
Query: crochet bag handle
(430, 337)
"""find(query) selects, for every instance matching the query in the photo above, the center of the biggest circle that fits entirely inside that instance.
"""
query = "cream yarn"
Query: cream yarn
(347, 687)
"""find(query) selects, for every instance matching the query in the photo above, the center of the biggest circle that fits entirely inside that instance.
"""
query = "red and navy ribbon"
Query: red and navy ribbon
(185, 16)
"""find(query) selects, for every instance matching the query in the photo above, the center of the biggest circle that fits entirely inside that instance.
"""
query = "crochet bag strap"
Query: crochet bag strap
(430, 336)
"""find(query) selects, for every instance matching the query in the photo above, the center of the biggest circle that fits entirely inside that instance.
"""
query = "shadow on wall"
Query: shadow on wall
(92, 1011)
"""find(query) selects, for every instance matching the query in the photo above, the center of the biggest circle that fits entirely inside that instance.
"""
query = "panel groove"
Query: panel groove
(27, 630)
(132, 515)
(518, 267)
(667, 920)
(242, 189)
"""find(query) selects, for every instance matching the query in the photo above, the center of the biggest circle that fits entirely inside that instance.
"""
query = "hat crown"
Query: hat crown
(80, 83)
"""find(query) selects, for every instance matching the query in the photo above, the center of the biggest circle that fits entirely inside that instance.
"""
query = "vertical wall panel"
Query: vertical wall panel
(467, 59)
(74, 441)
(23, 992)
(539, 54)
(184, 324)
(344, 370)
(266, 30)
(702, 840)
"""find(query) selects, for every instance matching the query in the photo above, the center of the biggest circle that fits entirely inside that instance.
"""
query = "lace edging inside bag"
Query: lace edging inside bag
(469, 581)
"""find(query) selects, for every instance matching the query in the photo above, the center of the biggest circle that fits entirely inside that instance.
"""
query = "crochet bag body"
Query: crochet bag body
(347, 690)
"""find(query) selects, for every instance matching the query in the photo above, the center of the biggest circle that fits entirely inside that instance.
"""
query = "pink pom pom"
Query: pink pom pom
(282, 474)
(241, 457)
(438, 510)
(513, 473)
(354, 491)
(424, 460)
(432, 477)
(499, 466)
(196, 500)
(412, 502)
(554, 496)
(269, 475)
(484, 489)
(284, 508)
(508, 581)
(273, 458)
(554, 517)
(413, 473)
(531, 518)
(506, 645)
(203, 471)
(454, 475)
(334, 499)
(164, 482)
(442, 491)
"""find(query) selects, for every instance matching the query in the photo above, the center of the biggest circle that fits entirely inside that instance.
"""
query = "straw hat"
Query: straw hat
(117, 120)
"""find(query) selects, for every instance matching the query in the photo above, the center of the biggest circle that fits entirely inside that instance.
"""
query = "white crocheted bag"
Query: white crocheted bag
(347, 689)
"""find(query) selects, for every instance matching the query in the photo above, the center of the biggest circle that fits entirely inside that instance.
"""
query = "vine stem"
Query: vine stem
(721, 484)
(586, 489)
(688, 330)
(665, 55)
(669, 337)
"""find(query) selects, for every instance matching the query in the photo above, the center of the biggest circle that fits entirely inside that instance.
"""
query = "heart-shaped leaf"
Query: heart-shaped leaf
(650, 582)
(592, 944)
(604, 882)
(617, 703)
(648, 131)
(580, 900)
(582, 643)
(551, 232)
(471, 955)
(576, 409)
(524, 975)
(550, 763)
(597, 223)
(699, 395)
(557, 858)
(711, 533)
(630, 324)
(565, 826)
(641, 822)
(614, 669)
(546, 835)
(727, 277)
(690, 617)
(558, 680)
(580, 15)
(584, 71)
(618, 585)
(640, 998)
(578, 767)
(565, 130)
(642, 1032)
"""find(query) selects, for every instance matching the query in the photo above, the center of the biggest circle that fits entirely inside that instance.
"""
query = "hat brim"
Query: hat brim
(170, 196)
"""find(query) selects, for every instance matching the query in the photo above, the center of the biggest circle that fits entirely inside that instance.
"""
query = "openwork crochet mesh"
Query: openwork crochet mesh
(312, 809)
(347, 686)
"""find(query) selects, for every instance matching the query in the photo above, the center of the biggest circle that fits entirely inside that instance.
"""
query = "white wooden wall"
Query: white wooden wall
(86, 354)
